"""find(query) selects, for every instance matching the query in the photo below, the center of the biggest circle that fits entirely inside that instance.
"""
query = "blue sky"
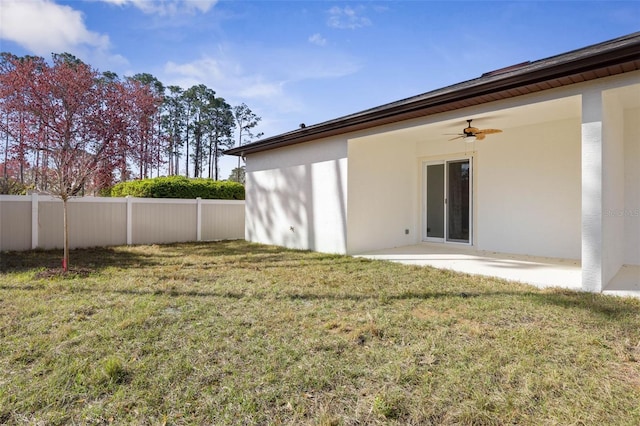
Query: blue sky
(298, 62)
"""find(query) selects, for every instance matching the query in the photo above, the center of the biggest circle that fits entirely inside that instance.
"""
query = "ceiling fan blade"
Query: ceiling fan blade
(458, 137)
(480, 136)
(489, 131)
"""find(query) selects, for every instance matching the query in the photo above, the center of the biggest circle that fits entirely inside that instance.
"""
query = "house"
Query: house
(561, 180)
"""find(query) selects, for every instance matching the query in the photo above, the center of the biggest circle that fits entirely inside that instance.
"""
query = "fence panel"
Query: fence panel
(50, 225)
(223, 221)
(36, 221)
(15, 222)
(169, 222)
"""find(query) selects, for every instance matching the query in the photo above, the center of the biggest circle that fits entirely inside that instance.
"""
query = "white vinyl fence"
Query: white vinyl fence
(36, 221)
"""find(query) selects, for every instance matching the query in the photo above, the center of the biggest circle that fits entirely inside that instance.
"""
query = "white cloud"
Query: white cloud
(224, 76)
(42, 27)
(347, 18)
(268, 80)
(167, 7)
(232, 71)
(317, 39)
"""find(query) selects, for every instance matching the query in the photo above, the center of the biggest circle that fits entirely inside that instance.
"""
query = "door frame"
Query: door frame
(445, 161)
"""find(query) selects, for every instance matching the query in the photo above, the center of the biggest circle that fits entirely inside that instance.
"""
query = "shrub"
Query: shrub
(180, 187)
(12, 187)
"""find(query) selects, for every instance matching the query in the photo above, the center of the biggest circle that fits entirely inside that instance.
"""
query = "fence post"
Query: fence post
(34, 221)
(129, 220)
(198, 219)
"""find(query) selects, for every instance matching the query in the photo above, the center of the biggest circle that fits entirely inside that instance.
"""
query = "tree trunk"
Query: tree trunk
(65, 259)
(239, 145)
(176, 166)
(45, 168)
(6, 149)
(215, 160)
(36, 180)
(186, 159)
(210, 158)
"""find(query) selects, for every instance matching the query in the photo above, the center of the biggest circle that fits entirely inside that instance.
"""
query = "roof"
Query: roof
(605, 59)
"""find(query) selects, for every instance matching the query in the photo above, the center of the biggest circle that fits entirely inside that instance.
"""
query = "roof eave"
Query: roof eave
(561, 66)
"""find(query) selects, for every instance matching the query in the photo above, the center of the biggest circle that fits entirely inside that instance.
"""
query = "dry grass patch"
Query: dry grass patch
(237, 333)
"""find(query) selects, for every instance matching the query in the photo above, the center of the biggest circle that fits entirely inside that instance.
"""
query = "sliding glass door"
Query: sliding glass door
(448, 201)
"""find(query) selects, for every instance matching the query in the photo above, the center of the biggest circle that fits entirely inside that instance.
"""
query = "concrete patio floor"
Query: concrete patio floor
(538, 271)
(626, 282)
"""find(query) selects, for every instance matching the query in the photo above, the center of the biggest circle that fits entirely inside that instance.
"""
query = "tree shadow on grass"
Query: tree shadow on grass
(91, 259)
(241, 254)
(124, 257)
(620, 311)
(252, 252)
(606, 306)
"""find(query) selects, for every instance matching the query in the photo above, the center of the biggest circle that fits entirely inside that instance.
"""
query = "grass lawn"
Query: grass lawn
(237, 333)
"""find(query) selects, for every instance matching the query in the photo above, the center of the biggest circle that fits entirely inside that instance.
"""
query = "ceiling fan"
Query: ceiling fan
(471, 134)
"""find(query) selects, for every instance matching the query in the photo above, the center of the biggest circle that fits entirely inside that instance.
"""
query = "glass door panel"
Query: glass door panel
(458, 205)
(448, 201)
(435, 201)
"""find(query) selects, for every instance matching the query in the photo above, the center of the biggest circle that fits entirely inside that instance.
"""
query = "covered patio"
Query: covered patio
(542, 272)
(556, 179)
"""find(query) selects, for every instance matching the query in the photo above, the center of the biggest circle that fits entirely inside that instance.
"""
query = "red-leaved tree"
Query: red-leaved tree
(146, 142)
(77, 122)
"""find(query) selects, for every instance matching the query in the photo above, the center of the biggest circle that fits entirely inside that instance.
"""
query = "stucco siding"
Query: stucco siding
(297, 197)
(592, 163)
(613, 239)
(383, 200)
(631, 210)
(529, 191)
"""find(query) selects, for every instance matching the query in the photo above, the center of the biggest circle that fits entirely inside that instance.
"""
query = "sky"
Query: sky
(296, 62)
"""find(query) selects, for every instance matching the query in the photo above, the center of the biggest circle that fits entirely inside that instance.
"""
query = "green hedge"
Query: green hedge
(179, 187)
(10, 186)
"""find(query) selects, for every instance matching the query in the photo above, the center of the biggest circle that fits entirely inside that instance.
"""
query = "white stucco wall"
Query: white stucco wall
(529, 191)
(296, 196)
(610, 183)
(592, 230)
(613, 194)
(631, 210)
(383, 200)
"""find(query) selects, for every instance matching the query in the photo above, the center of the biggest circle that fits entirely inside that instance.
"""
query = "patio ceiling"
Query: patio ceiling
(504, 119)
(503, 116)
